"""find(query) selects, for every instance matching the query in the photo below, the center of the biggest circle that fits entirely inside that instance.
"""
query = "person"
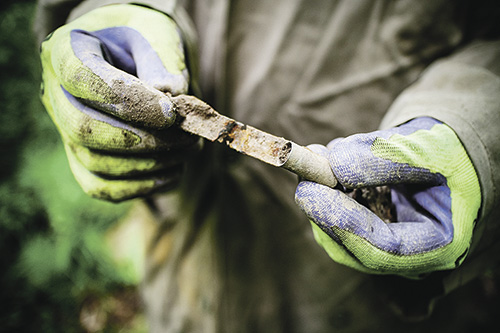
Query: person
(398, 95)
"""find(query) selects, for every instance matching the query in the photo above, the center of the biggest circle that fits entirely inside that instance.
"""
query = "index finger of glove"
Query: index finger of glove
(399, 155)
(83, 71)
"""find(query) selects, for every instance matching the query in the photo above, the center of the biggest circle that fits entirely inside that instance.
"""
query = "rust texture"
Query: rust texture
(197, 117)
(226, 135)
(258, 144)
(185, 105)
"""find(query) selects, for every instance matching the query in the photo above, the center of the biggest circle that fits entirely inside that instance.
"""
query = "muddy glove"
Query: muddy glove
(104, 75)
(434, 190)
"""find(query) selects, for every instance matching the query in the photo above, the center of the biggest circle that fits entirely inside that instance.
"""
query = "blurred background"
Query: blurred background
(56, 272)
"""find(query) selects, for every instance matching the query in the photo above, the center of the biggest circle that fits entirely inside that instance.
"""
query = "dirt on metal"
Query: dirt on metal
(199, 118)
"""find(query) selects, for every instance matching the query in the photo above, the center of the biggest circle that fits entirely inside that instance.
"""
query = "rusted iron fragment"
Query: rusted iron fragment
(199, 118)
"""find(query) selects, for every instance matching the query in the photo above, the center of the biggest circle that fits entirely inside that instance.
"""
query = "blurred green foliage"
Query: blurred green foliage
(51, 234)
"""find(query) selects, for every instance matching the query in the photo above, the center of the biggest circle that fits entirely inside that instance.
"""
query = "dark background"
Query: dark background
(55, 273)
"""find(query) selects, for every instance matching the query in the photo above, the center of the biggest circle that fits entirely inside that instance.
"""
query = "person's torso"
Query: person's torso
(244, 258)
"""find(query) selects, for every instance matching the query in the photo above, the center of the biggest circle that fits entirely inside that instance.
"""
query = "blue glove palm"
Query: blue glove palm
(434, 190)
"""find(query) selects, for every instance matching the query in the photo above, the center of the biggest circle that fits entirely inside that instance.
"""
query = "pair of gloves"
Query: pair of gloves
(104, 79)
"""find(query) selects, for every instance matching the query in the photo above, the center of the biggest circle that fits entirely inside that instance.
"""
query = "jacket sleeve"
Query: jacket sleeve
(461, 90)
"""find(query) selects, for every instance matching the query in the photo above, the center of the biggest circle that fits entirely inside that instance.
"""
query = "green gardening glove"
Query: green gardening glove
(104, 79)
(434, 189)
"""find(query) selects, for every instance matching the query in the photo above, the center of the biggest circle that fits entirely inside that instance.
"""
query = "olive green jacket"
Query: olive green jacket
(233, 252)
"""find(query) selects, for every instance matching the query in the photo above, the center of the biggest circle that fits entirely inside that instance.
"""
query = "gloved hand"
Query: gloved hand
(104, 78)
(434, 190)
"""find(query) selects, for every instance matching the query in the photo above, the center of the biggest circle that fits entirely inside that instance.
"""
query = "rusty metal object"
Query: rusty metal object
(377, 199)
(199, 118)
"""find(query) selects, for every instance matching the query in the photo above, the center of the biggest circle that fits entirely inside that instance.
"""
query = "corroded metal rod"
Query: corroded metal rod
(197, 117)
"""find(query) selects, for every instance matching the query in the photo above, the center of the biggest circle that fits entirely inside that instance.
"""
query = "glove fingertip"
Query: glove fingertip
(167, 107)
(143, 105)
